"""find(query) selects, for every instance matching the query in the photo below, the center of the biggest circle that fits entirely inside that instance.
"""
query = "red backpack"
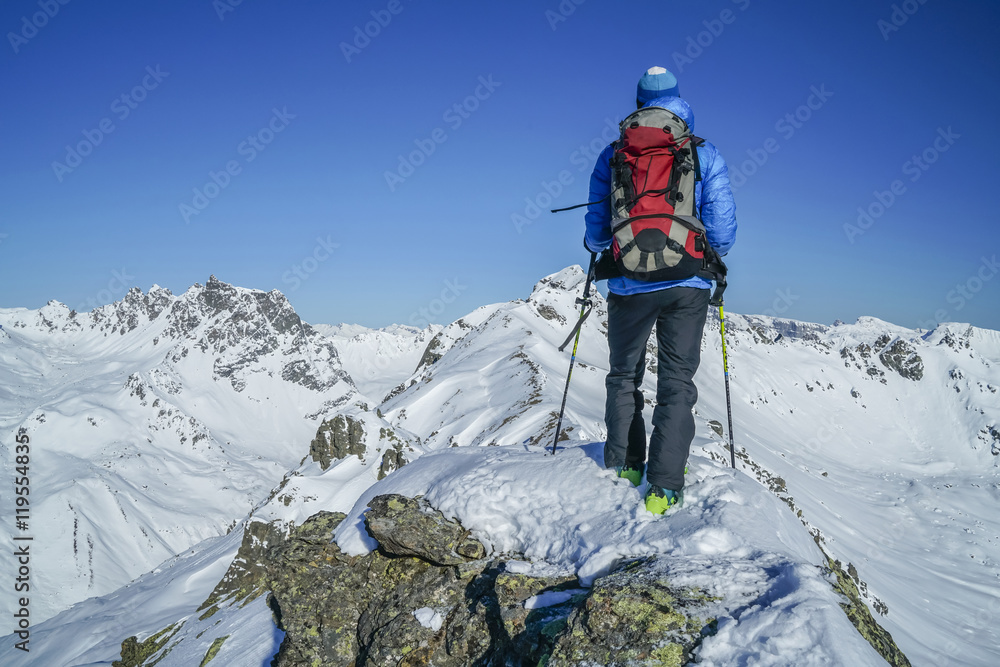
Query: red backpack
(657, 232)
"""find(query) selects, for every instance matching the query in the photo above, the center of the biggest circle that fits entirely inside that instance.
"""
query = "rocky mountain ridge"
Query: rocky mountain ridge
(132, 407)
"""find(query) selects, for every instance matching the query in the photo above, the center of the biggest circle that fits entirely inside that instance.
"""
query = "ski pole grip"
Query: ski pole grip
(720, 288)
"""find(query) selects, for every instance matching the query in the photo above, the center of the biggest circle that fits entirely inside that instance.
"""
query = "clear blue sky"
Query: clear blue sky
(199, 78)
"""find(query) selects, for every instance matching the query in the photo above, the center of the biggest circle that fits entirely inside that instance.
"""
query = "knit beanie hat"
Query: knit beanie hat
(656, 82)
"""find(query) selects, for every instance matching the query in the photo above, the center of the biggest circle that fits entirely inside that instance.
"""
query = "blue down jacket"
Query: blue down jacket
(714, 195)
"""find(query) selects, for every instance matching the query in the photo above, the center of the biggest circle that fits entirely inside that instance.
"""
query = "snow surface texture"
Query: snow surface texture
(896, 475)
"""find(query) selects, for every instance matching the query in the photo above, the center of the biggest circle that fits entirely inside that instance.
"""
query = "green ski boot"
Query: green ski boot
(660, 500)
(633, 475)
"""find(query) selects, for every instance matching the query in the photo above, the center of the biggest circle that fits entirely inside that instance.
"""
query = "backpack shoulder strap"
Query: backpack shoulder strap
(696, 142)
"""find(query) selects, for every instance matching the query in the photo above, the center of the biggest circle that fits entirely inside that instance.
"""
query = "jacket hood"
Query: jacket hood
(677, 106)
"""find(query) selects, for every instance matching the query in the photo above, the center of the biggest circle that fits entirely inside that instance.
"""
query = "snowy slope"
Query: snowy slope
(155, 423)
(879, 442)
(91, 632)
(500, 377)
(899, 475)
(378, 360)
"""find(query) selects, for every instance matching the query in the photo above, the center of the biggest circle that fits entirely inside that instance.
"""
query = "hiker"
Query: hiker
(678, 307)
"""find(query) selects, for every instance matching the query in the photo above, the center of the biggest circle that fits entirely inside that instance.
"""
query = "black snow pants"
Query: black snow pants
(679, 314)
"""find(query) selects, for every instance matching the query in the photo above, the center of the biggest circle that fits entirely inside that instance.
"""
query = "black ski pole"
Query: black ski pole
(718, 272)
(584, 312)
(725, 368)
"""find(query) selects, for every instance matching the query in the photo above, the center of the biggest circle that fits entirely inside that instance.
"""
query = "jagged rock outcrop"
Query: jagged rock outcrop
(337, 438)
(385, 608)
(991, 436)
(635, 616)
(135, 653)
(428, 596)
(246, 577)
(434, 351)
(900, 357)
(392, 459)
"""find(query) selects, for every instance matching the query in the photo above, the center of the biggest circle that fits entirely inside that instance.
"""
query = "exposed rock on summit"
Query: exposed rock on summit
(408, 527)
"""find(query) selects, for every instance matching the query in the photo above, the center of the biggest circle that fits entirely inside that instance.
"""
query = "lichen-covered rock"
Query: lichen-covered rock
(411, 527)
(213, 650)
(338, 438)
(246, 577)
(382, 609)
(389, 628)
(532, 632)
(317, 595)
(635, 616)
(135, 653)
(339, 610)
(862, 619)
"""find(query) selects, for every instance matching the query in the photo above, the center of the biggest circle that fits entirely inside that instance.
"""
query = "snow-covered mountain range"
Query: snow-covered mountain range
(161, 426)
(154, 423)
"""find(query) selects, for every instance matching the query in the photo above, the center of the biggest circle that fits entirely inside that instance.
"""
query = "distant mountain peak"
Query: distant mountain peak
(566, 280)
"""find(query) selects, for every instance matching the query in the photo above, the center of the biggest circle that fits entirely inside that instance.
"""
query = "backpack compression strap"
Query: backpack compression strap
(570, 208)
